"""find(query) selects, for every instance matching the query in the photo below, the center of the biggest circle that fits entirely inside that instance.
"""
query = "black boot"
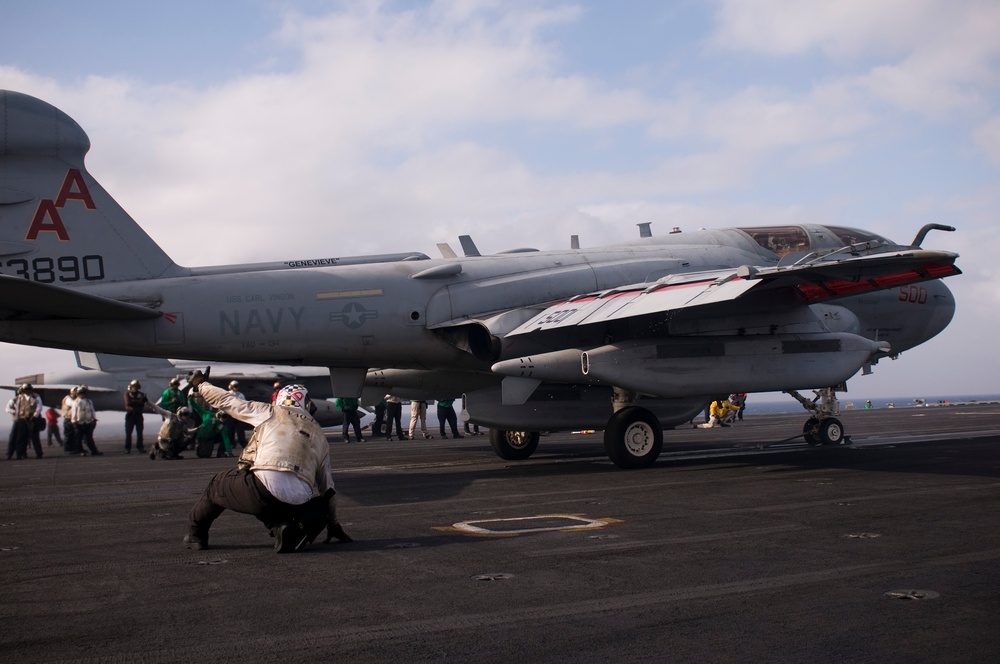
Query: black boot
(288, 537)
(337, 532)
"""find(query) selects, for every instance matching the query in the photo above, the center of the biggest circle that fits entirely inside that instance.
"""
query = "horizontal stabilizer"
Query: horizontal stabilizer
(21, 296)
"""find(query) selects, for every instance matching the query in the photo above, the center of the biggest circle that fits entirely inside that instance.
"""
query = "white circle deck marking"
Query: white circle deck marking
(553, 523)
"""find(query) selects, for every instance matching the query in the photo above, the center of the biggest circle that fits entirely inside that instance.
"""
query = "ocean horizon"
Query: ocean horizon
(772, 402)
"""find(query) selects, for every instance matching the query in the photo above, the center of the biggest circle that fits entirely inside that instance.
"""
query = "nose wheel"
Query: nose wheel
(826, 431)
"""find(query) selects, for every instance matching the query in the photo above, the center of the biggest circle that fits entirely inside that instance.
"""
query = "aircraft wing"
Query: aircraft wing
(22, 296)
(809, 283)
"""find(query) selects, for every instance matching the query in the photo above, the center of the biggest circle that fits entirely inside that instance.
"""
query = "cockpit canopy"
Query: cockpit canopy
(784, 240)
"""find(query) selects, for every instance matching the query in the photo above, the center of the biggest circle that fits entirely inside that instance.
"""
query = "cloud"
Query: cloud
(762, 120)
(987, 138)
(927, 56)
(453, 63)
(844, 29)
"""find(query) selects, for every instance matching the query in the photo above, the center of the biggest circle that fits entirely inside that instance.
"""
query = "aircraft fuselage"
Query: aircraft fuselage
(371, 315)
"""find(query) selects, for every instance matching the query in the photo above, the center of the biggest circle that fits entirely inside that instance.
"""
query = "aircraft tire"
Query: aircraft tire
(633, 438)
(809, 431)
(513, 445)
(831, 431)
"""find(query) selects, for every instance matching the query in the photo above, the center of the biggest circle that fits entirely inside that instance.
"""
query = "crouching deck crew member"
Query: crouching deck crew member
(283, 476)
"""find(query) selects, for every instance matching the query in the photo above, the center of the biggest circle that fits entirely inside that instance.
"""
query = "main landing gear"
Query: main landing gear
(633, 438)
(823, 427)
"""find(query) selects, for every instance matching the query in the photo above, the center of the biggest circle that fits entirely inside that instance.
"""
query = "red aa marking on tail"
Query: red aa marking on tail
(47, 219)
(66, 192)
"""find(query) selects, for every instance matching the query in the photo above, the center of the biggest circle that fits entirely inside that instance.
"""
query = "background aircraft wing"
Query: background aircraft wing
(772, 288)
(264, 375)
(62, 388)
(110, 362)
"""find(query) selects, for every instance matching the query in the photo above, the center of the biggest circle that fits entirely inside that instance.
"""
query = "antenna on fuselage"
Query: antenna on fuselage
(574, 241)
(644, 230)
(468, 246)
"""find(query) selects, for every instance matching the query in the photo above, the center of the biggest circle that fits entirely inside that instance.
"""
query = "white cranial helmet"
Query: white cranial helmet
(294, 396)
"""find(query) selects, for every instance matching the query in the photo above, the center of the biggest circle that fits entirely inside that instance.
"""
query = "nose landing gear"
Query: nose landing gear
(823, 428)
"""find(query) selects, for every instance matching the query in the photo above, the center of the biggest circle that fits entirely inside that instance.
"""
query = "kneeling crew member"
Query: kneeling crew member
(283, 476)
(722, 411)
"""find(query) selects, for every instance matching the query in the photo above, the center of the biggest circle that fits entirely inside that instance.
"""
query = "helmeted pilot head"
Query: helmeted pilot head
(293, 396)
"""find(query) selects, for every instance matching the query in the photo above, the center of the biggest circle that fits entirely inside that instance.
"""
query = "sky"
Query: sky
(281, 130)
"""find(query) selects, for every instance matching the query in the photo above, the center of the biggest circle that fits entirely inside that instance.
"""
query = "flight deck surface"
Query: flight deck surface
(738, 544)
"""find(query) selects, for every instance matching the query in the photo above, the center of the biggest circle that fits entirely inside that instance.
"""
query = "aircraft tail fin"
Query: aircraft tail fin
(57, 224)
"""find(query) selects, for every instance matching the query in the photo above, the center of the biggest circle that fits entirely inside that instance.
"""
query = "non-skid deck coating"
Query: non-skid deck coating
(886, 550)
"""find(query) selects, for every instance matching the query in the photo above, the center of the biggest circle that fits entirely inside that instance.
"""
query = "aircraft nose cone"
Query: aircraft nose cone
(911, 315)
(939, 313)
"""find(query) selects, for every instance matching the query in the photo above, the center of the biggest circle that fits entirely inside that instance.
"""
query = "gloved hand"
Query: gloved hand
(196, 377)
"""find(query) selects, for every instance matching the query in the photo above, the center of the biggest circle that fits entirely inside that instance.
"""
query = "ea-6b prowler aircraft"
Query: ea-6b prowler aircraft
(629, 338)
